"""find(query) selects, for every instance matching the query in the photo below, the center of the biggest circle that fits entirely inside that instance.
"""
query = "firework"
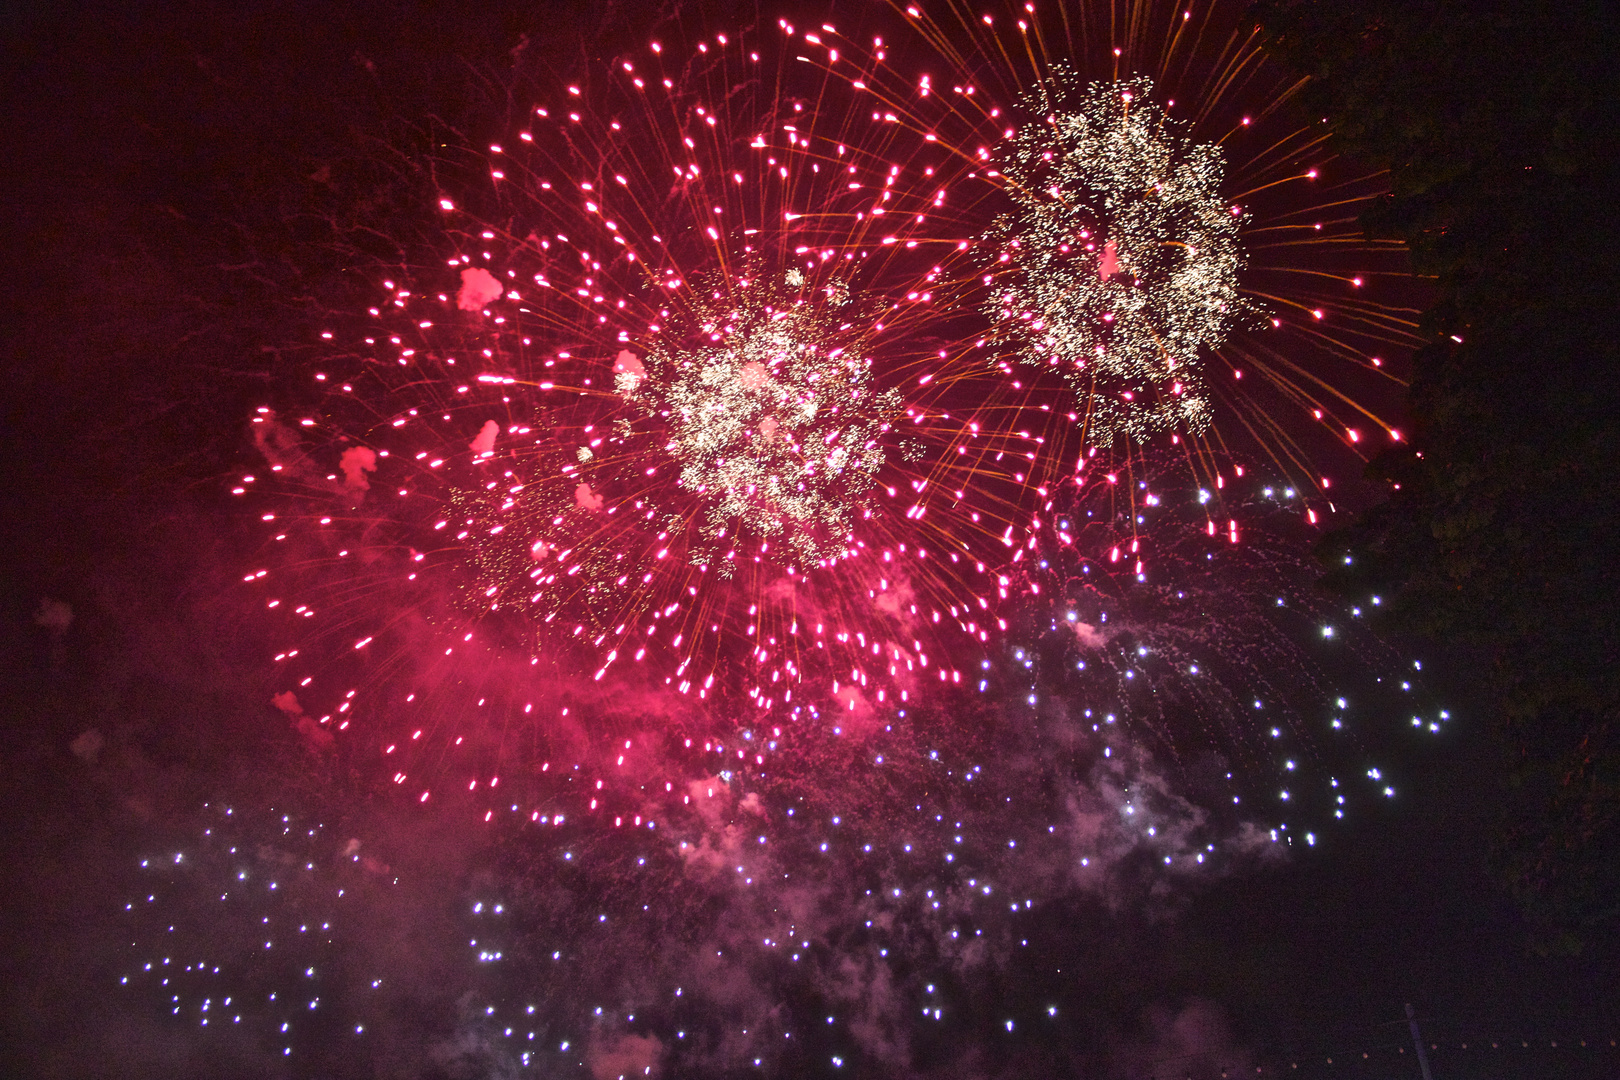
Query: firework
(1119, 264)
(687, 394)
(1155, 227)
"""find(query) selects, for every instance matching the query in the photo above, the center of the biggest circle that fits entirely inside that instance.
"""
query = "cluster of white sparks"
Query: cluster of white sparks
(771, 412)
(1120, 261)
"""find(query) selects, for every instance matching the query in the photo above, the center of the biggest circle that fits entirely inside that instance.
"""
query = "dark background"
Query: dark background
(183, 188)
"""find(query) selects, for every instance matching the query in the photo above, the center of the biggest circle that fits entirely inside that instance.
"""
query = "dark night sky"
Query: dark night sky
(162, 239)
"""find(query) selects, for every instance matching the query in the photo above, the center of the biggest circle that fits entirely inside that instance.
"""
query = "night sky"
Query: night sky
(194, 193)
